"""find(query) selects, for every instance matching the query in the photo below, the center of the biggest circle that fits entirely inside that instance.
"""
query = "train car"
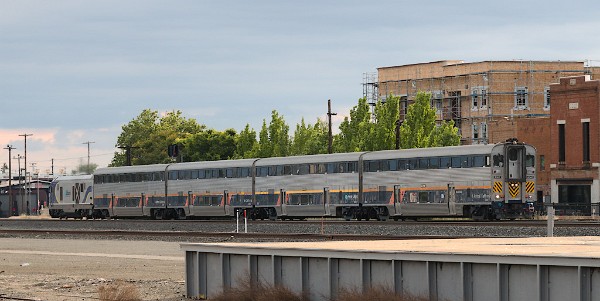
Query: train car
(307, 186)
(209, 189)
(131, 191)
(71, 196)
(478, 181)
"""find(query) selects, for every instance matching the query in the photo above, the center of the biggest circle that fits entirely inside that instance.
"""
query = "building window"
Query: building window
(474, 99)
(542, 162)
(479, 97)
(483, 131)
(546, 98)
(561, 143)
(484, 98)
(585, 126)
(521, 98)
(475, 131)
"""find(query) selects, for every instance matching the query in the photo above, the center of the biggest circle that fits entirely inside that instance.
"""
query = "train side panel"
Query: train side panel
(71, 196)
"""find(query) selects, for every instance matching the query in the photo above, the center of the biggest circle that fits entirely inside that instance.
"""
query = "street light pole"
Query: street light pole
(25, 136)
(10, 200)
(330, 135)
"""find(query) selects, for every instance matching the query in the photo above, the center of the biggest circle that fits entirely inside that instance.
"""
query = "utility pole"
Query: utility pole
(10, 199)
(330, 137)
(33, 172)
(15, 203)
(52, 166)
(88, 163)
(25, 136)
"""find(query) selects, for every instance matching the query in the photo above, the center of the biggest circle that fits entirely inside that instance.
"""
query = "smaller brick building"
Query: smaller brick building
(574, 159)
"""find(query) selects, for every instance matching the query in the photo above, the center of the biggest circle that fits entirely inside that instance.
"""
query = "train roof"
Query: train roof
(131, 169)
(212, 164)
(339, 157)
(431, 152)
(73, 178)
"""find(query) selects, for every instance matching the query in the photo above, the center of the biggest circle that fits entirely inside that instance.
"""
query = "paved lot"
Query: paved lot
(64, 269)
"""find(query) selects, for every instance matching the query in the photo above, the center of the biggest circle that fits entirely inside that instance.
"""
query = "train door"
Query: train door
(327, 209)
(284, 203)
(451, 197)
(397, 201)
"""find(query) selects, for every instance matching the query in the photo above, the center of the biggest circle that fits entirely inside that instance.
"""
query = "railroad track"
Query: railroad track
(516, 223)
(229, 235)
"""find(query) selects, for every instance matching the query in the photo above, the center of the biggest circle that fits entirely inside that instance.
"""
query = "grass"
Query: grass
(119, 291)
(247, 291)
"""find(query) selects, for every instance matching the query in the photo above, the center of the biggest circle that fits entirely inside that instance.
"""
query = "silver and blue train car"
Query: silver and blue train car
(131, 191)
(307, 186)
(71, 196)
(476, 181)
(209, 189)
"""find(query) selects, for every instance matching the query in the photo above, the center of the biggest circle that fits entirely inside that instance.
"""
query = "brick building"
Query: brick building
(485, 99)
(575, 145)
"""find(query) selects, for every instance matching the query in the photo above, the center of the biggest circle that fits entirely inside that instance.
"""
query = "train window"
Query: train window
(341, 167)
(412, 164)
(479, 161)
(172, 175)
(445, 162)
(303, 169)
(372, 166)
(393, 165)
(208, 174)
(216, 173)
(279, 170)
(184, 174)
(272, 170)
(262, 171)
(139, 177)
(434, 163)
(402, 165)
(498, 160)
(287, 170)
(352, 167)
(464, 162)
(97, 180)
(312, 168)
(423, 163)
(194, 174)
(384, 165)
(322, 168)
(456, 162)
(223, 173)
(513, 154)
(529, 161)
(229, 173)
(330, 168)
(245, 172)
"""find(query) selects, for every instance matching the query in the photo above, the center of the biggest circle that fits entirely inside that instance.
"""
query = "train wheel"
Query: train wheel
(157, 214)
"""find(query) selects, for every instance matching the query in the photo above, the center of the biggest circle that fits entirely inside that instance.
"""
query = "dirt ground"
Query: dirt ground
(65, 269)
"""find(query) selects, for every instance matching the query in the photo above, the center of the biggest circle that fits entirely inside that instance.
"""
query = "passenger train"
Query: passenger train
(482, 182)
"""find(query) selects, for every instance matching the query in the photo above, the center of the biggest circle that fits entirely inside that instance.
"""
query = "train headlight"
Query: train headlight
(497, 197)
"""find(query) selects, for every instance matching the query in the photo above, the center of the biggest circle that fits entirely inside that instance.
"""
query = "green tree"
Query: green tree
(245, 143)
(149, 136)
(355, 130)
(309, 139)
(274, 140)
(83, 168)
(419, 128)
(383, 136)
(210, 145)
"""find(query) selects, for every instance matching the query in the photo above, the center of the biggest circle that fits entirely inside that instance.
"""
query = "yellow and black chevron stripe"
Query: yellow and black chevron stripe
(498, 187)
(530, 187)
(514, 188)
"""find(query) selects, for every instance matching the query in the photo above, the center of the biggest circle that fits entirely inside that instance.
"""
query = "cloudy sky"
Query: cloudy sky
(76, 71)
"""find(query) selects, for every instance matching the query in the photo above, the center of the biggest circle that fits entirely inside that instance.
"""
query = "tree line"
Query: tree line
(146, 138)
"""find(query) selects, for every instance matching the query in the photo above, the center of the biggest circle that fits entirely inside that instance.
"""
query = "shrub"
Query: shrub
(119, 291)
